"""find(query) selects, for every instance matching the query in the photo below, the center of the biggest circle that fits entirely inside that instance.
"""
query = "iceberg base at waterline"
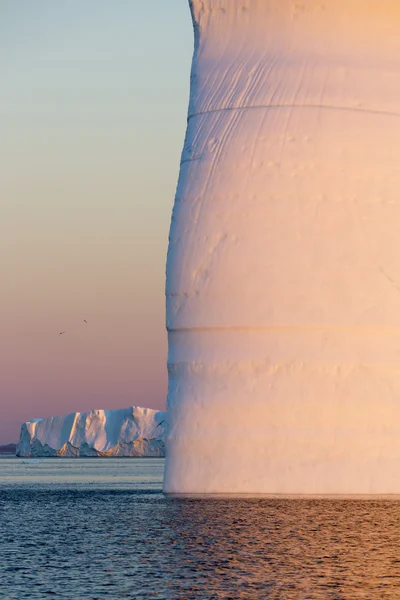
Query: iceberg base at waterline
(134, 432)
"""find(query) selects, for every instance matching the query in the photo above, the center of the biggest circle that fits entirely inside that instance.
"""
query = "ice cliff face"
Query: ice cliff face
(130, 431)
(283, 270)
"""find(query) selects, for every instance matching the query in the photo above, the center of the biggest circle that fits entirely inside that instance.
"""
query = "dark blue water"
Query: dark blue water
(101, 528)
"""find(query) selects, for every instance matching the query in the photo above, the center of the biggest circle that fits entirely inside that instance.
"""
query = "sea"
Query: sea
(102, 528)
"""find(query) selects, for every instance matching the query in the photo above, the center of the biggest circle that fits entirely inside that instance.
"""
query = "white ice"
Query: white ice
(130, 431)
(283, 271)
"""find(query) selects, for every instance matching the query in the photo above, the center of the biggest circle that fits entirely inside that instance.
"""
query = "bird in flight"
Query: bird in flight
(62, 332)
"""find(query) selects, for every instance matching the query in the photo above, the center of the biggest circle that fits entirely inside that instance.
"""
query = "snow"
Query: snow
(130, 431)
(283, 270)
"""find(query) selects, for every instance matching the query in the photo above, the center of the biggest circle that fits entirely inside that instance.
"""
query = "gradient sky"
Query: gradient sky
(93, 109)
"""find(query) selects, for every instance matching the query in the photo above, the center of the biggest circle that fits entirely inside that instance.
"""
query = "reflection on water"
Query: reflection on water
(291, 548)
(104, 536)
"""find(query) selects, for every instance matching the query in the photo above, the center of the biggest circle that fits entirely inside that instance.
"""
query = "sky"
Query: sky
(93, 104)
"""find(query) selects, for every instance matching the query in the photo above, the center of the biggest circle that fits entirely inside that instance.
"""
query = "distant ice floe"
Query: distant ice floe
(133, 431)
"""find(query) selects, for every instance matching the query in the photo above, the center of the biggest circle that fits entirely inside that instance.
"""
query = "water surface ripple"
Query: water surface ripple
(101, 528)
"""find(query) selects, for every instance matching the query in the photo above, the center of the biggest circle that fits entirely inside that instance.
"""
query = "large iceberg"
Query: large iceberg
(283, 270)
(130, 431)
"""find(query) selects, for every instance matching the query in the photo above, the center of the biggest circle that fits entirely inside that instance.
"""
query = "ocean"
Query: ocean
(101, 528)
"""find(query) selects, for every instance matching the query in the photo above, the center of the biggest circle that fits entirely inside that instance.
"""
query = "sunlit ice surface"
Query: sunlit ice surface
(283, 275)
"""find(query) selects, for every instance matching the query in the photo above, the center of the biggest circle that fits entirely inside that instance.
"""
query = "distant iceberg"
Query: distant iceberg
(130, 431)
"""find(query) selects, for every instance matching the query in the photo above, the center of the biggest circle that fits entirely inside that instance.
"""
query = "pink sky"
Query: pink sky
(94, 114)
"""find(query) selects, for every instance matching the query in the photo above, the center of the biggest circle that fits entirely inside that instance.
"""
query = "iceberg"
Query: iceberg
(132, 431)
(283, 267)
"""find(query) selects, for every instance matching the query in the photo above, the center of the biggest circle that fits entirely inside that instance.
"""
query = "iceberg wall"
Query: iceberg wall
(130, 431)
(283, 269)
